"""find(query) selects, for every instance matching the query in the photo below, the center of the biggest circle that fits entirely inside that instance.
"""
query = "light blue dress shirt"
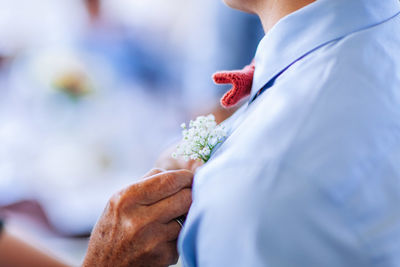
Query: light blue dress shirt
(310, 175)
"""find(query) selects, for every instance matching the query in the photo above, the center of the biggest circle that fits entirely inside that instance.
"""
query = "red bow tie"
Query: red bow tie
(241, 81)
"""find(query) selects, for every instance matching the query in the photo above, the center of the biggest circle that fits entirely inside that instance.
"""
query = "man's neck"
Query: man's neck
(271, 11)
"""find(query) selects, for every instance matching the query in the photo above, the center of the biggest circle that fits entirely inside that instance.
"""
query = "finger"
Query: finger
(156, 232)
(194, 165)
(160, 186)
(124, 196)
(172, 207)
(170, 164)
(172, 252)
(167, 253)
(172, 230)
(154, 172)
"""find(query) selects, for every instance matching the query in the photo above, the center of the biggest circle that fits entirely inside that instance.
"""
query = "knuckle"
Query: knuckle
(115, 201)
(121, 199)
(186, 196)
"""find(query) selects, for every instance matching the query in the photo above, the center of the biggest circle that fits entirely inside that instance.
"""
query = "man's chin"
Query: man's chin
(236, 4)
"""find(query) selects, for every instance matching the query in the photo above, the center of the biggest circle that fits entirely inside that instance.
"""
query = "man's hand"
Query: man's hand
(137, 227)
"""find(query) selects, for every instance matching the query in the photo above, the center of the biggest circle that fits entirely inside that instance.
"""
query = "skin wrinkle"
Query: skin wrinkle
(167, 184)
(130, 233)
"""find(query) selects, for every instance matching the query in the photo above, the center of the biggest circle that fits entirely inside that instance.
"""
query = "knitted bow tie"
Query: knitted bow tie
(241, 81)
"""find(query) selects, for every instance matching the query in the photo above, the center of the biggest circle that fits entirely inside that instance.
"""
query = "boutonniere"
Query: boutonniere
(200, 138)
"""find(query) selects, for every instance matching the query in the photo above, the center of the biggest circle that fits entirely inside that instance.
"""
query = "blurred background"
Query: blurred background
(91, 91)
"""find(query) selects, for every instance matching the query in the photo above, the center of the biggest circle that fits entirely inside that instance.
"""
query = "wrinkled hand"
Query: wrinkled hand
(137, 226)
(167, 162)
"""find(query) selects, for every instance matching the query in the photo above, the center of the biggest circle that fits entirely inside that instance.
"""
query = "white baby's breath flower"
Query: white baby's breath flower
(200, 138)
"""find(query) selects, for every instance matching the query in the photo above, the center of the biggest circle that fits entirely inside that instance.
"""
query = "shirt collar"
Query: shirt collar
(311, 27)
